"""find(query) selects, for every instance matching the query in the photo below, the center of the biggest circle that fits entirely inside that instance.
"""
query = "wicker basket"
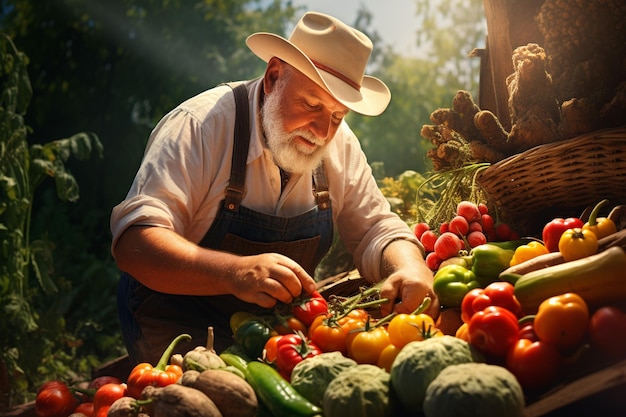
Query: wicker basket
(558, 179)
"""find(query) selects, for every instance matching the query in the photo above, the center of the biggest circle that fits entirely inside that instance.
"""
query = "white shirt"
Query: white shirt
(186, 169)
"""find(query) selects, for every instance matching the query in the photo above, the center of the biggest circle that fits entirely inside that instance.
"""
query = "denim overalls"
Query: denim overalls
(150, 320)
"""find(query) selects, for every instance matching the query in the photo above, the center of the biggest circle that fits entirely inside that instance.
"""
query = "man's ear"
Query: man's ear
(272, 73)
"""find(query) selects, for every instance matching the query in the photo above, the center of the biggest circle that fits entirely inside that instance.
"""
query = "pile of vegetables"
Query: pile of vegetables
(529, 310)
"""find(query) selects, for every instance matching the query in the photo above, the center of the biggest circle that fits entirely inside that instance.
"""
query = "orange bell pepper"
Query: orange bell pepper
(161, 375)
(562, 320)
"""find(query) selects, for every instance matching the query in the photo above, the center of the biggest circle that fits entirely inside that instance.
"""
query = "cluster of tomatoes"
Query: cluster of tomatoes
(538, 348)
(313, 326)
(472, 225)
(57, 399)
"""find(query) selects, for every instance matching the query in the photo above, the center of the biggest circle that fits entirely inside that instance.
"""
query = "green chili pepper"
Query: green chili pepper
(278, 395)
(237, 362)
(488, 261)
(452, 282)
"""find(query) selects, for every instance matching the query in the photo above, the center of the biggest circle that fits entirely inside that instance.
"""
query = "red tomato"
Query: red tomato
(607, 331)
(85, 408)
(292, 349)
(107, 394)
(534, 364)
(96, 383)
(309, 307)
(368, 344)
(54, 399)
(527, 331)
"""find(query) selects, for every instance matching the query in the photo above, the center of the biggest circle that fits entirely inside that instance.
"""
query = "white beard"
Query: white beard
(286, 152)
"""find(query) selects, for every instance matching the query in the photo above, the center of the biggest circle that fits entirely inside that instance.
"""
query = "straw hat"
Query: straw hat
(331, 54)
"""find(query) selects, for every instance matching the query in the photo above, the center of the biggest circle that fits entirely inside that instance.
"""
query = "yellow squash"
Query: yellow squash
(599, 279)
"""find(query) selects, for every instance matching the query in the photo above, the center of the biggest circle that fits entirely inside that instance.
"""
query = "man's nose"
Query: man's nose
(322, 125)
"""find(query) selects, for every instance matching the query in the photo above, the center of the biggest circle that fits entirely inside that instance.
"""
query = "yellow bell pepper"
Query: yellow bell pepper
(529, 251)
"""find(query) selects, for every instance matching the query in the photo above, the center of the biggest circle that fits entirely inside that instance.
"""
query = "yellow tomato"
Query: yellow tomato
(577, 243)
(405, 328)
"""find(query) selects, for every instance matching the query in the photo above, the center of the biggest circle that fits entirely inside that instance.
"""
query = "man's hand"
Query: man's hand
(408, 280)
(154, 255)
(267, 278)
(406, 293)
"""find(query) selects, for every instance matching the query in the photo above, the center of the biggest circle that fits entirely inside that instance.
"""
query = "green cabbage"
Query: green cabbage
(359, 391)
(474, 390)
(419, 363)
(311, 376)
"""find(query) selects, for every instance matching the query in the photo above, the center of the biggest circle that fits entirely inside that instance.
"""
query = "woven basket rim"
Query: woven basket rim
(570, 173)
(617, 133)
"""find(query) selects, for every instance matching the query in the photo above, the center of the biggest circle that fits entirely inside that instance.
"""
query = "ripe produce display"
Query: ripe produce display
(520, 329)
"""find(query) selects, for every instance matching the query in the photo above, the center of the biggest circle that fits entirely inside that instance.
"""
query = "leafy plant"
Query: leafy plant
(30, 334)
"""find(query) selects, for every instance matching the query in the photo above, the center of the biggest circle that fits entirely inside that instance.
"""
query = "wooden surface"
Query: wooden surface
(602, 393)
(510, 23)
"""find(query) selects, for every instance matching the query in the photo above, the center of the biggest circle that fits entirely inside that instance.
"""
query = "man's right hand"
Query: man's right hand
(267, 278)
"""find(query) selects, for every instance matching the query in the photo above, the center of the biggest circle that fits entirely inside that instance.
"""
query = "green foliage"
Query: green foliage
(447, 32)
(32, 333)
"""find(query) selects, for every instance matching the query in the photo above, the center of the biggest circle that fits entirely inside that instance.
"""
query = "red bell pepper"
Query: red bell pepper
(499, 293)
(493, 331)
(292, 349)
(535, 364)
(553, 230)
(161, 375)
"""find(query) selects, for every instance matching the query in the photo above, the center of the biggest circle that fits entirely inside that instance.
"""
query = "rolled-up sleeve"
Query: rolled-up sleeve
(364, 218)
(172, 183)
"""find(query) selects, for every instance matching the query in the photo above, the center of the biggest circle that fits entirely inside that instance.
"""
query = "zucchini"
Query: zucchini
(599, 279)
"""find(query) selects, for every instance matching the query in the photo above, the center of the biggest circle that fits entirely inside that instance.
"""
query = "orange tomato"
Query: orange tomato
(289, 325)
(387, 356)
(462, 332)
(328, 335)
(270, 349)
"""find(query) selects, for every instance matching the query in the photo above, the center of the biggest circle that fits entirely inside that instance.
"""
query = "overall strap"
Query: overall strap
(320, 187)
(235, 189)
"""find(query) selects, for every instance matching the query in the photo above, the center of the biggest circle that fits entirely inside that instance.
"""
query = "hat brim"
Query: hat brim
(372, 98)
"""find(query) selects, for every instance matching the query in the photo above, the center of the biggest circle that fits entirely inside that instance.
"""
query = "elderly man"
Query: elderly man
(242, 187)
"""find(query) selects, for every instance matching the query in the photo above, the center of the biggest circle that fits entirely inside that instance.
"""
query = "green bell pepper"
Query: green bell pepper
(488, 260)
(452, 282)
